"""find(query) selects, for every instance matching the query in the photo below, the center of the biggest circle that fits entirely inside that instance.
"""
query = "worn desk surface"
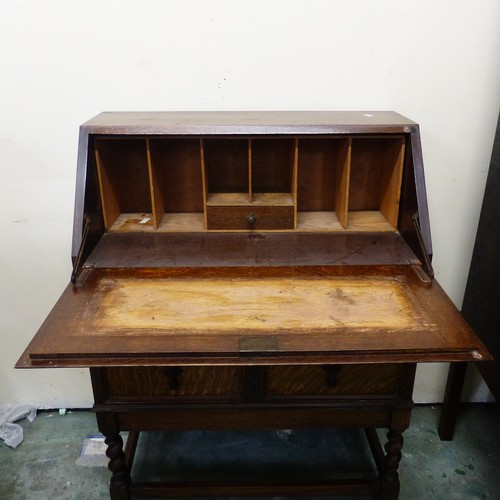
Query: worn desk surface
(206, 316)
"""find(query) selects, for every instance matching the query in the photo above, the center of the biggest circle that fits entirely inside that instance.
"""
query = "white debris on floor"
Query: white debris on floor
(11, 433)
(93, 452)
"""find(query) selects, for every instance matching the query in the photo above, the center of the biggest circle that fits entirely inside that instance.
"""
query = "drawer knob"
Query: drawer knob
(173, 374)
(251, 219)
(331, 374)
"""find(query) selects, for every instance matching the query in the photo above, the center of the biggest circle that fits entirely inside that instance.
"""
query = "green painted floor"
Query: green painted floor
(47, 464)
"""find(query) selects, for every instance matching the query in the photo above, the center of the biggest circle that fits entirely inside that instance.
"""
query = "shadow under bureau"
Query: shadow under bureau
(251, 271)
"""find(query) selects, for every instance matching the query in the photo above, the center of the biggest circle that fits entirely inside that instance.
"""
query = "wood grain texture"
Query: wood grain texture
(208, 249)
(169, 223)
(231, 209)
(261, 306)
(272, 165)
(156, 181)
(267, 125)
(392, 172)
(264, 217)
(253, 122)
(177, 163)
(375, 174)
(153, 382)
(342, 182)
(124, 177)
(226, 165)
(316, 174)
(80, 331)
(313, 175)
(351, 380)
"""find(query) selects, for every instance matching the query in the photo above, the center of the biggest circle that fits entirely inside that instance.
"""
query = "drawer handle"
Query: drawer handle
(331, 374)
(173, 374)
(251, 219)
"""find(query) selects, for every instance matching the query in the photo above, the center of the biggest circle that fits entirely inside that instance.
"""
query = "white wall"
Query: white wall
(61, 62)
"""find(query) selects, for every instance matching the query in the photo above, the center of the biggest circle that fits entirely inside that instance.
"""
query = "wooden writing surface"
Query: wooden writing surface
(200, 316)
(262, 306)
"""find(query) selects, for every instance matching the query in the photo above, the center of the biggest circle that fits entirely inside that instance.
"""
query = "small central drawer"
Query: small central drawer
(334, 380)
(248, 217)
(163, 382)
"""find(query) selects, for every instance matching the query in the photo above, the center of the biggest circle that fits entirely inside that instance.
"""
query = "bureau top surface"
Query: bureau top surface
(255, 122)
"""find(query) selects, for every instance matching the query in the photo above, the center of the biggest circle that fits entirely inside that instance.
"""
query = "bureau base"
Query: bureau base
(381, 482)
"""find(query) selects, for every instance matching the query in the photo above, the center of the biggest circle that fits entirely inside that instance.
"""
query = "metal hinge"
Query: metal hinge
(258, 346)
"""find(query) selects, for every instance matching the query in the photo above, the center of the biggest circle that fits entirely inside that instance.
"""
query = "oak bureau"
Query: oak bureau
(251, 270)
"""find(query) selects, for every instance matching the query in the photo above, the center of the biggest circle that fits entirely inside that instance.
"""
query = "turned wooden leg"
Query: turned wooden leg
(120, 479)
(389, 474)
(119, 485)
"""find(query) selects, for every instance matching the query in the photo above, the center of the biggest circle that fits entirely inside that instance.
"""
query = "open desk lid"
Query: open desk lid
(278, 315)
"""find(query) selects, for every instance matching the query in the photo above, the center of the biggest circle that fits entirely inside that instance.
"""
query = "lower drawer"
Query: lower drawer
(175, 382)
(335, 380)
(250, 217)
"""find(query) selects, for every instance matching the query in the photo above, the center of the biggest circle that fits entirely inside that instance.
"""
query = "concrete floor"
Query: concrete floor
(45, 464)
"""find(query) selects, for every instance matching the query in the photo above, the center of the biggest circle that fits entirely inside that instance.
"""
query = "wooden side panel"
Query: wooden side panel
(88, 221)
(392, 173)
(87, 199)
(109, 199)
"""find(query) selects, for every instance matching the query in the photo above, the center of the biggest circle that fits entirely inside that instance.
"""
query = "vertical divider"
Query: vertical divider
(342, 174)
(155, 183)
(204, 181)
(109, 202)
(250, 177)
(392, 174)
(295, 173)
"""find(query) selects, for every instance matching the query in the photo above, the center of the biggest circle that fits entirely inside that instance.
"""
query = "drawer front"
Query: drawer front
(175, 382)
(250, 217)
(335, 380)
